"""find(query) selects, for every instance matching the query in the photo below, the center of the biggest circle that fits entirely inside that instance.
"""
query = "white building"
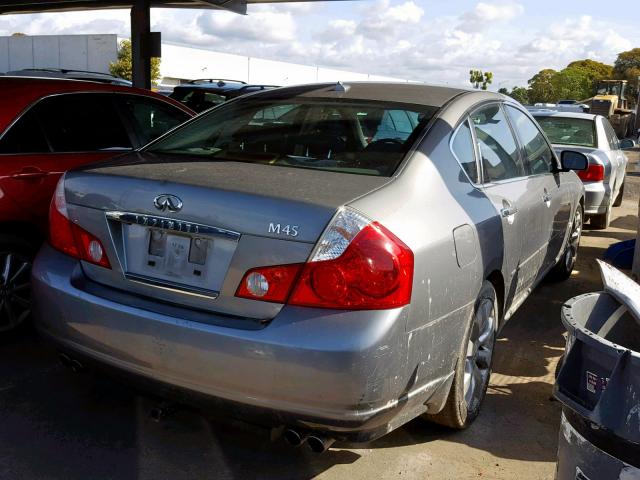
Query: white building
(179, 63)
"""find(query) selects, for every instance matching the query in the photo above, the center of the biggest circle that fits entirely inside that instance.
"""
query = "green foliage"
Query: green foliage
(123, 66)
(479, 79)
(627, 67)
(541, 87)
(575, 82)
(519, 94)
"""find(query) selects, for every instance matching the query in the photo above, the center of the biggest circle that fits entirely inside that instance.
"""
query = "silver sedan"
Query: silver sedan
(330, 260)
(594, 136)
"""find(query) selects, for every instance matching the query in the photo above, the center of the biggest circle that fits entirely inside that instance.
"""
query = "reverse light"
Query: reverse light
(593, 173)
(357, 264)
(69, 238)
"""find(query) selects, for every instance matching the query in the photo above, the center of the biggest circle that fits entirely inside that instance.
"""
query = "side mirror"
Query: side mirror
(627, 144)
(571, 160)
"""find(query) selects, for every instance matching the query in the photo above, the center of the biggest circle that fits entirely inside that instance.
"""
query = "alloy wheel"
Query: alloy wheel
(477, 366)
(15, 290)
(571, 254)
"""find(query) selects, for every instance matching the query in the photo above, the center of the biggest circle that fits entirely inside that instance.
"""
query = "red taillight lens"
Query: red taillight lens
(593, 173)
(269, 284)
(69, 238)
(373, 271)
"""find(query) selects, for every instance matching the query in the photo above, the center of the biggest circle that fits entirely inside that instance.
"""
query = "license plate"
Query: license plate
(177, 255)
(182, 258)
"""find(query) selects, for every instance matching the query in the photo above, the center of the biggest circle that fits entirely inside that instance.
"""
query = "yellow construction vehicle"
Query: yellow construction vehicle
(610, 101)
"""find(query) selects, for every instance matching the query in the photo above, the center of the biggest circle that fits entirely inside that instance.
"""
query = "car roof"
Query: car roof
(18, 93)
(213, 85)
(411, 93)
(552, 113)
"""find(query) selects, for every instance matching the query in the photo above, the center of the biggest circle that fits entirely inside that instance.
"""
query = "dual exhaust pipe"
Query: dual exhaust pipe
(317, 443)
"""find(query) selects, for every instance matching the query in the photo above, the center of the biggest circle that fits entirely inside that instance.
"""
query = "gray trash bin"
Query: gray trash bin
(599, 387)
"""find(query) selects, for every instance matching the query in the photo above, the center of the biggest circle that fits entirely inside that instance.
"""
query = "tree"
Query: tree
(18, 34)
(572, 83)
(479, 79)
(627, 67)
(122, 67)
(519, 94)
(541, 87)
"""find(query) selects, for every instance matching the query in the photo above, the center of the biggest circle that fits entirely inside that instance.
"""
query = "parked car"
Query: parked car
(332, 259)
(594, 136)
(200, 95)
(68, 74)
(46, 127)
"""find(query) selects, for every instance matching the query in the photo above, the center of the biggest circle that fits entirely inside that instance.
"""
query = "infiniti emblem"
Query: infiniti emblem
(168, 202)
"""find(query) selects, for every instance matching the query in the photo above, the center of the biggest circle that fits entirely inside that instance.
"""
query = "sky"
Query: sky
(424, 40)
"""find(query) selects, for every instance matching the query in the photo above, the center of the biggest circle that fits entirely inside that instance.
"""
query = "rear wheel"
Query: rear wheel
(602, 221)
(16, 257)
(618, 200)
(562, 270)
(473, 368)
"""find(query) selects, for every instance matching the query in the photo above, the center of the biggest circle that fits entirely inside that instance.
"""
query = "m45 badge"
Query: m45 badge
(279, 229)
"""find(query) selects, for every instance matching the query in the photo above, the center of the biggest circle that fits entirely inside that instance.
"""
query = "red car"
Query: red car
(49, 126)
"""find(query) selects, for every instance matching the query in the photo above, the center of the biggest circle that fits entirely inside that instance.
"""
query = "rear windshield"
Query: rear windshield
(569, 131)
(368, 138)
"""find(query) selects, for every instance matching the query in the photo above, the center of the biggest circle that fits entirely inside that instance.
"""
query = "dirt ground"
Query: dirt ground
(57, 425)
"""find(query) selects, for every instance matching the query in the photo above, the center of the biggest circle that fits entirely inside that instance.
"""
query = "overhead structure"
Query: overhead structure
(144, 44)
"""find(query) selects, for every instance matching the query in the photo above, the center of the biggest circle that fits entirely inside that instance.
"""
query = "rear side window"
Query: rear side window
(25, 136)
(539, 155)
(150, 117)
(82, 122)
(354, 136)
(498, 148)
(462, 147)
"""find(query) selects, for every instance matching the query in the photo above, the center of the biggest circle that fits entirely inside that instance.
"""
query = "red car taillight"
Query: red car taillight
(69, 238)
(357, 265)
(593, 173)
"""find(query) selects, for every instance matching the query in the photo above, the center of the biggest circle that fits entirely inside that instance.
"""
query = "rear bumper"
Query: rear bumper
(597, 197)
(341, 372)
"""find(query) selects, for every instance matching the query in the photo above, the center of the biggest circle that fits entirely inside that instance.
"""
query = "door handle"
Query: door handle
(508, 211)
(29, 175)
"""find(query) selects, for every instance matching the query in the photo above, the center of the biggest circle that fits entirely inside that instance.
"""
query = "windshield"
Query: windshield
(569, 131)
(362, 137)
(606, 88)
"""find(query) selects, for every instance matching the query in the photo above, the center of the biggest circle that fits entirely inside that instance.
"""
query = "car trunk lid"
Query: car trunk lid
(233, 217)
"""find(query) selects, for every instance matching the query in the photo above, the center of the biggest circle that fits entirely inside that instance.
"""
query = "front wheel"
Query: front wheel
(16, 257)
(562, 270)
(473, 369)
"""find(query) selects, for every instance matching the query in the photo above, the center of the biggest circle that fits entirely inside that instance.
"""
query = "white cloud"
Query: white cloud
(486, 15)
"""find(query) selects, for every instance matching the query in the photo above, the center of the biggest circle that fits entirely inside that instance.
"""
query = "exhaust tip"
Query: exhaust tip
(293, 438)
(319, 444)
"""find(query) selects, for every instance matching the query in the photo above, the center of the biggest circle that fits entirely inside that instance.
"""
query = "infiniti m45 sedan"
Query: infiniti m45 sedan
(330, 260)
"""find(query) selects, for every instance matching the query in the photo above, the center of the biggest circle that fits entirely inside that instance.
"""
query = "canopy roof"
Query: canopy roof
(38, 6)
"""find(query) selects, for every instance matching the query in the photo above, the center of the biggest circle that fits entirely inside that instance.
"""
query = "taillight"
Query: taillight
(69, 238)
(357, 265)
(593, 173)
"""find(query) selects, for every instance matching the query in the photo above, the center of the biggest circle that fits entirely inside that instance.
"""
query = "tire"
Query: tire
(602, 221)
(473, 368)
(618, 200)
(562, 270)
(16, 257)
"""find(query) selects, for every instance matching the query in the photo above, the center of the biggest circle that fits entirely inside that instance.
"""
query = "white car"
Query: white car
(594, 136)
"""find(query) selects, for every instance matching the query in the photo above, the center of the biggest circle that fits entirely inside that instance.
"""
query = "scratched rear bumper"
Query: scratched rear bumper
(344, 372)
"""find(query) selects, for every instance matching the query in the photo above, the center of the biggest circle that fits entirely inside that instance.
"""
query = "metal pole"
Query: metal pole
(636, 256)
(140, 51)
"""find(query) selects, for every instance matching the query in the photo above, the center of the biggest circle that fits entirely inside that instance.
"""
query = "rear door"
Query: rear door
(550, 208)
(616, 157)
(502, 175)
(60, 132)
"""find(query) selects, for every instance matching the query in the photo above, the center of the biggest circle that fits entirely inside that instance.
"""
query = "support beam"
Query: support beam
(140, 48)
